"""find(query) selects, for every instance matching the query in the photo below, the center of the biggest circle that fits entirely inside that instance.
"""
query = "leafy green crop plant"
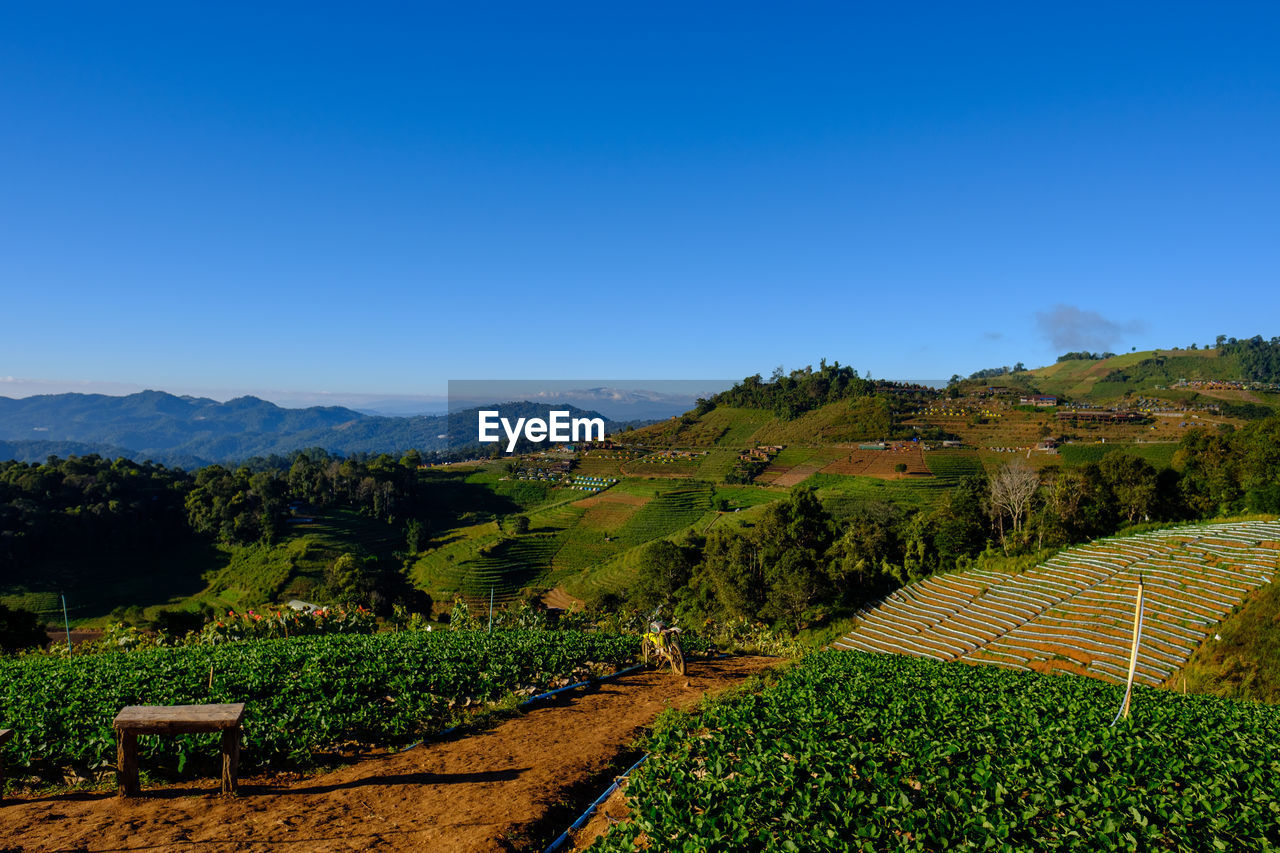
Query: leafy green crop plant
(848, 751)
(303, 695)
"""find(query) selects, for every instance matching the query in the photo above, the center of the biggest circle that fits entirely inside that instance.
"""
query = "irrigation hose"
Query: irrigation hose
(586, 815)
(540, 696)
(586, 683)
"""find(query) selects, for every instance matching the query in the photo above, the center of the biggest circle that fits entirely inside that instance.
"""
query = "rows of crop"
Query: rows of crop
(1074, 611)
(302, 695)
(848, 751)
(1159, 455)
(843, 496)
(508, 566)
(668, 512)
(592, 540)
(953, 464)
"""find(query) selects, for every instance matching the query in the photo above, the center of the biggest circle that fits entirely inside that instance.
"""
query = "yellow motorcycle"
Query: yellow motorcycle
(661, 644)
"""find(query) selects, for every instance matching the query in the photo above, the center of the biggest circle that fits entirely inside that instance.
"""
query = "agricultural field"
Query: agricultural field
(304, 696)
(665, 463)
(795, 463)
(1159, 455)
(849, 751)
(723, 426)
(592, 540)
(716, 465)
(882, 464)
(953, 464)
(1074, 612)
(582, 537)
(741, 497)
(439, 568)
(842, 495)
(503, 568)
(673, 508)
(602, 566)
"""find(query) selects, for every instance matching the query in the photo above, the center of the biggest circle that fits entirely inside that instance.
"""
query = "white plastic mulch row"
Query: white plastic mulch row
(1192, 576)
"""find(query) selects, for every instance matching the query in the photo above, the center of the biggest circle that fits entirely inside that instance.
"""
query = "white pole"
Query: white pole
(1133, 655)
(65, 622)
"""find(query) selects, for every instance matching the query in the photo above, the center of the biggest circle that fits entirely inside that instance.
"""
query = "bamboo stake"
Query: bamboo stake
(1133, 655)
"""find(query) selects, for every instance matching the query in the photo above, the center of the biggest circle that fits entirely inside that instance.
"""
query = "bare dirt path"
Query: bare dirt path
(495, 790)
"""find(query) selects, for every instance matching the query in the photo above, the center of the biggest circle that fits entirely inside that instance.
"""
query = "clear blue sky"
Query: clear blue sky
(378, 198)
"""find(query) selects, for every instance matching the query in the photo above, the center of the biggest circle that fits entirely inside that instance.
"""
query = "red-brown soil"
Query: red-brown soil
(611, 811)
(795, 476)
(559, 598)
(505, 788)
(881, 463)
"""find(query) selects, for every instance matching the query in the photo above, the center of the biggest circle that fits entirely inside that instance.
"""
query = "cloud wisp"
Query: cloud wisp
(1070, 328)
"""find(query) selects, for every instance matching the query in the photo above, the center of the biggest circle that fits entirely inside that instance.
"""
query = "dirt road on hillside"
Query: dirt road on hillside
(506, 788)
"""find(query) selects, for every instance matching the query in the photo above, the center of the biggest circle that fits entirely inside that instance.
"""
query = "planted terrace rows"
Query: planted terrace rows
(1075, 611)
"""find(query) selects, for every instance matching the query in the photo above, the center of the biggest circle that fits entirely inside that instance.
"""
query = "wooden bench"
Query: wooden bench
(137, 720)
(5, 735)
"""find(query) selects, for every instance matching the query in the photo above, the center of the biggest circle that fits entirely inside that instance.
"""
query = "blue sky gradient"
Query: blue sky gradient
(311, 198)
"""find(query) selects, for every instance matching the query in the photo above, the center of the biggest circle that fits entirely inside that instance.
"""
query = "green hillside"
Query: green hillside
(1152, 372)
(279, 528)
(1245, 662)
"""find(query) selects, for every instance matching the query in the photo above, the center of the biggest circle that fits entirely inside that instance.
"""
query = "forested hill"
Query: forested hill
(191, 431)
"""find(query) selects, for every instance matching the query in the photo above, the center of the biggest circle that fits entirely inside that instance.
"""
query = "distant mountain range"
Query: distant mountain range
(194, 431)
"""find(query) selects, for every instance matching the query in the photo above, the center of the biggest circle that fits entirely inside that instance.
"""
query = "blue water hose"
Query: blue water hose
(549, 693)
(586, 816)
(586, 683)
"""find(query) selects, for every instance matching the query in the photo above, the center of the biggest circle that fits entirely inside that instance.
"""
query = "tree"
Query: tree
(1258, 446)
(774, 570)
(664, 573)
(1210, 466)
(1077, 506)
(415, 535)
(1133, 481)
(345, 579)
(959, 528)
(20, 629)
(864, 559)
(793, 537)
(1012, 489)
(732, 570)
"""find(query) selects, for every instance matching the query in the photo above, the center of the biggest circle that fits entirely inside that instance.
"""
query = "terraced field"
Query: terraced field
(842, 496)
(570, 543)
(670, 511)
(881, 464)
(1075, 611)
(506, 567)
(953, 464)
(1159, 455)
(592, 539)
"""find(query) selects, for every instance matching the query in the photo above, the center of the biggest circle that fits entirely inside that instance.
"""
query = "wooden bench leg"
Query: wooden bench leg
(127, 763)
(230, 760)
(1, 779)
